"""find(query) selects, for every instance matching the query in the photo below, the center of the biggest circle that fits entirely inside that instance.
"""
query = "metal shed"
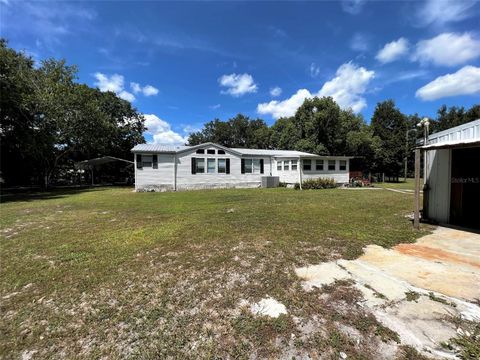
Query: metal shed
(451, 193)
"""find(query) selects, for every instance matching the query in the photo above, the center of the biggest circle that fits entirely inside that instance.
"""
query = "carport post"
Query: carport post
(416, 214)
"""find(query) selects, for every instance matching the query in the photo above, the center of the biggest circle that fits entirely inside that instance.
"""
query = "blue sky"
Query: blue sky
(185, 63)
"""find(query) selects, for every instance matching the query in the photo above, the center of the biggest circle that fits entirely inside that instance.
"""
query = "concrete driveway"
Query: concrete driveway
(415, 289)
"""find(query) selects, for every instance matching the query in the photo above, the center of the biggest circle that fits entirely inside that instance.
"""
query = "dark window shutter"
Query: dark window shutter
(227, 166)
(243, 166)
(261, 166)
(139, 161)
(194, 165)
(155, 161)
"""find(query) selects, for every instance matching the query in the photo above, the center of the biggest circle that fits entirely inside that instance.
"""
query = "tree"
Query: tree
(390, 126)
(454, 116)
(16, 115)
(319, 123)
(49, 120)
(240, 131)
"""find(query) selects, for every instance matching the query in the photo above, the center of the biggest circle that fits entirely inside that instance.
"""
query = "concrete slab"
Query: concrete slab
(445, 263)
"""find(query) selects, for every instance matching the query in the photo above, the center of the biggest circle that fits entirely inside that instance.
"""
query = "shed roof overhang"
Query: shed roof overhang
(452, 144)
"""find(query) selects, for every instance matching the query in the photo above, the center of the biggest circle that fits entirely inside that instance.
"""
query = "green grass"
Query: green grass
(401, 185)
(107, 271)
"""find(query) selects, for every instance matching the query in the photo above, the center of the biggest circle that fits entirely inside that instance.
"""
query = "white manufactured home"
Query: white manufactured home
(209, 165)
(452, 184)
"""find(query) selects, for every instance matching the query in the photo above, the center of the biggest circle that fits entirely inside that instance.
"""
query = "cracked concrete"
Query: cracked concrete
(445, 263)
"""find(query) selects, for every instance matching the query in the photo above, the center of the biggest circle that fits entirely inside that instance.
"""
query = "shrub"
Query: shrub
(318, 183)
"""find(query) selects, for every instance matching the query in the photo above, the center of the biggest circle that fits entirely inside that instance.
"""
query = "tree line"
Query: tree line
(321, 127)
(49, 120)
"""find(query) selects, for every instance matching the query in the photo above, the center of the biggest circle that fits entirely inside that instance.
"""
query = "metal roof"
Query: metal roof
(173, 149)
(465, 132)
(100, 161)
(271, 152)
(452, 144)
(159, 148)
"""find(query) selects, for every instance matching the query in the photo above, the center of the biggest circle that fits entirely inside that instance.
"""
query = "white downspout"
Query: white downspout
(300, 167)
(135, 170)
(174, 172)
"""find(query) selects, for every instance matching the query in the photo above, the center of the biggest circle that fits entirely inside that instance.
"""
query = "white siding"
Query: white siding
(187, 180)
(149, 178)
(438, 181)
(164, 177)
(292, 176)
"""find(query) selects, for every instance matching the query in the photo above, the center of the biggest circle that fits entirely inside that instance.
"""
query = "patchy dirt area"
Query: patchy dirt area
(111, 274)
(418, 290)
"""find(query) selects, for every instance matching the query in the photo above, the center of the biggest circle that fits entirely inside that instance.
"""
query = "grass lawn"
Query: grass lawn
(402, 185)
(110, 272)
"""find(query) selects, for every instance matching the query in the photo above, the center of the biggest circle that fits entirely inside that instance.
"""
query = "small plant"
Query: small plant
(318, 183)
(412, 296)
(375, 292)
(433, 297)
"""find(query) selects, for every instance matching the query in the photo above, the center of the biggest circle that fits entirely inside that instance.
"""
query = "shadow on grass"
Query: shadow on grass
(54, 193)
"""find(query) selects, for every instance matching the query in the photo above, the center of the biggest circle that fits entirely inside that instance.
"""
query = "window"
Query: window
(294, 165)
(200, 151)
(307, 165)
(248, 166)
(222, 166)
(256, 166)
(343, 164)
(251, 166)
(211, 151)
(210, 166)
(319, 165)
(331, 164)
(200, 166)
(147, 160)
(286, 165)
(279, 165)
(221, 152)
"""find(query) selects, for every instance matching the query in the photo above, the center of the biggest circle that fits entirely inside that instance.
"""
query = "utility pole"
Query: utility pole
(425, 123)
(406, 151)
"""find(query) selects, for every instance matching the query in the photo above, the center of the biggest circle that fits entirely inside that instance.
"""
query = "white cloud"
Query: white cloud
(238, 84)
(276, 91)
(162, 132)
(346, 88)
(136, 88)
(465, 81)
(441, 12)
(125, 95)
(113, 83)
(215, 107)
(448, 49)
(314, 70)
(109, 83)
(359, 42)
(353, 7)
(116, 82)
(393, 51)
(286, 107)
(147, 90)
(405, 76)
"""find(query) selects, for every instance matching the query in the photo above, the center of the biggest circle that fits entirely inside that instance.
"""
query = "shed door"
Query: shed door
(465, 188)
